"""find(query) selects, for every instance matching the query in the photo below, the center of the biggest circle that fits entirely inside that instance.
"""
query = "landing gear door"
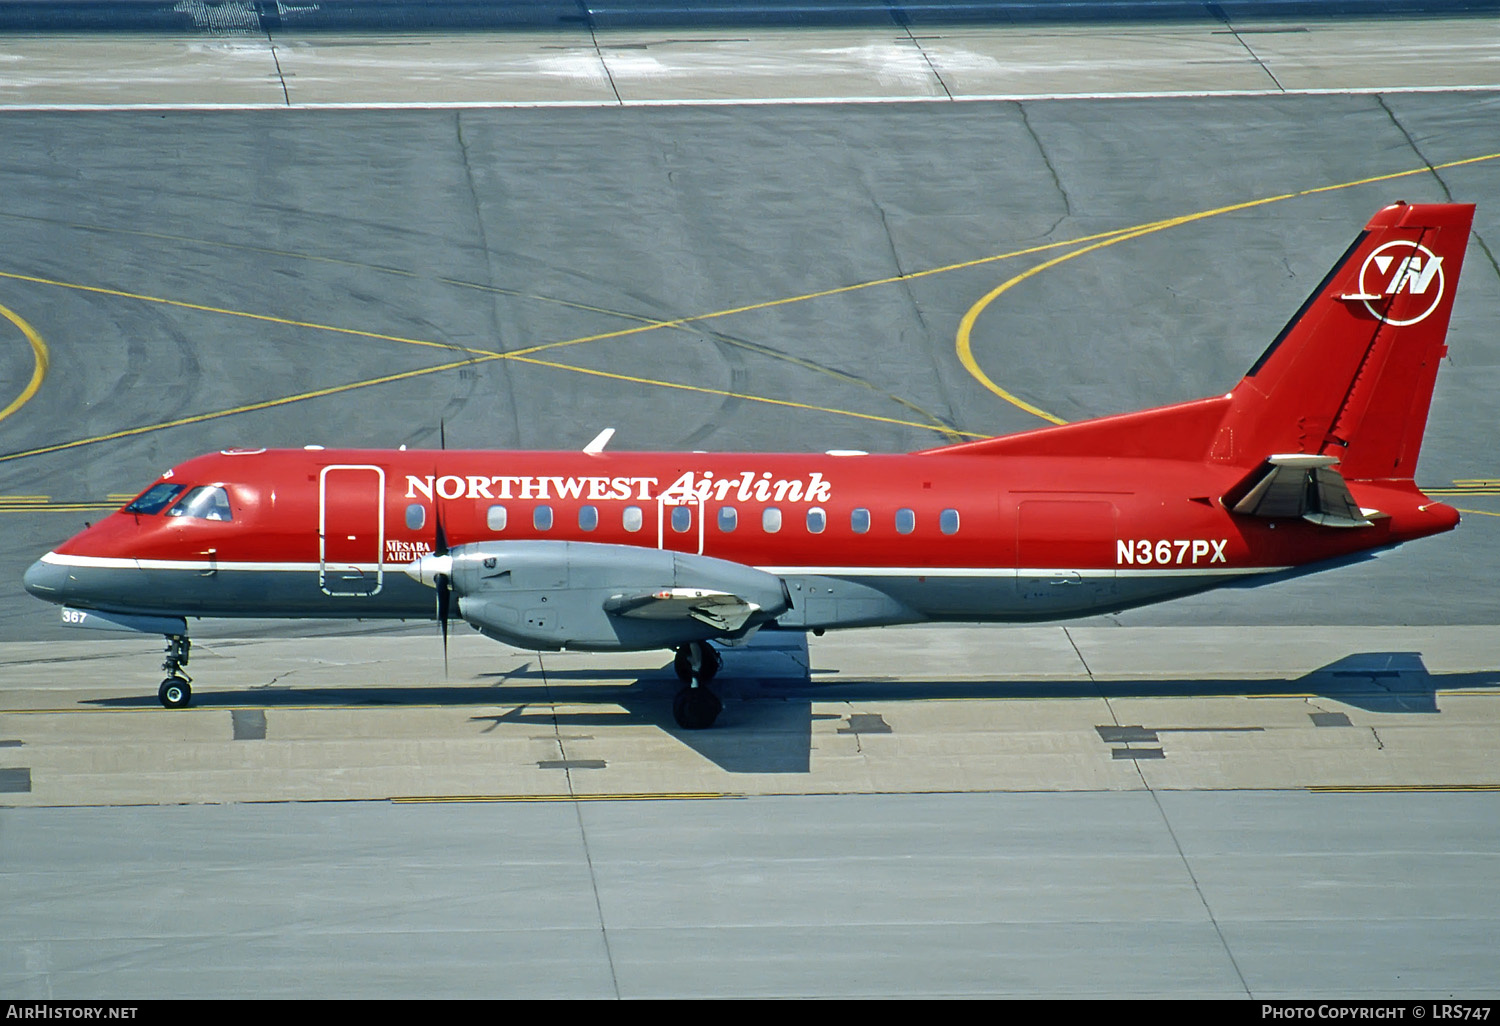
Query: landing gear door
(351, 530)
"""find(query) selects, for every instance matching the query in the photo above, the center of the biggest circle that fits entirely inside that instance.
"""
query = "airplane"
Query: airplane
(1307, 463)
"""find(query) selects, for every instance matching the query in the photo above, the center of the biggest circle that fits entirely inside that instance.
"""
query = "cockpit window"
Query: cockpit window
(156, 498)
(206, 502)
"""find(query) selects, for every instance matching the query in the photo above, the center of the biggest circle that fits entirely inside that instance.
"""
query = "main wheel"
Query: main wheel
(696, 708)
(708, 659)
(174, 693)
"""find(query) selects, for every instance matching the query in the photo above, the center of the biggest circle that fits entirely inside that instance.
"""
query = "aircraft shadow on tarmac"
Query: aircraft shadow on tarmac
(766, 725)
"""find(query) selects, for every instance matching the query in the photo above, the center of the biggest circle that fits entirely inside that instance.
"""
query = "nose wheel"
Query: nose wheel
(175, 692)
(695, 707)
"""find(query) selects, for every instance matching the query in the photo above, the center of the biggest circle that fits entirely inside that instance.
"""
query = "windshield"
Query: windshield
(207, 502)
(156, 498)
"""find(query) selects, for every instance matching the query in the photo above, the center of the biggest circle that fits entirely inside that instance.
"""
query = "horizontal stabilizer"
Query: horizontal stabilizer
(717, 609)
(1300, 485)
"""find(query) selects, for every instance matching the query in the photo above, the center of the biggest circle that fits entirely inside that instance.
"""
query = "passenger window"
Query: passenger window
(203, 503)
(495, 519)
(416, 516)
(906, 521)
(948, 521)
(588, 517)
(817, 520)
(682, 518)
(770, 520)
(156, 498)
(859, 521)
(728, 519)
(541, 518)
(632, 518)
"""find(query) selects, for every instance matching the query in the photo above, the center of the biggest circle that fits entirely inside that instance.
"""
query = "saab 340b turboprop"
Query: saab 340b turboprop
(1308, 461)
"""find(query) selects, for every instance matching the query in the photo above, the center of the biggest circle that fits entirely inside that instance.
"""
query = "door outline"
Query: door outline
(323, 581)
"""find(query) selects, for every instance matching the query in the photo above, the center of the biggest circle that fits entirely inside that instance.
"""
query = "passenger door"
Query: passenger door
(351, 530)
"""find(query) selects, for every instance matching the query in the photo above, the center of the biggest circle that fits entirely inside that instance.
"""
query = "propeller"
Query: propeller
(442, 578)
(436, 568)
(436, 571)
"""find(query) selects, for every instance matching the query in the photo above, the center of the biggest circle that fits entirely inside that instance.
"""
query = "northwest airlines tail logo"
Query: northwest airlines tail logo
(1399, 267)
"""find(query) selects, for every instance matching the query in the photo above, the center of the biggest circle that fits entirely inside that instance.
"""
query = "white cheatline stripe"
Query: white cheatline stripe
(977, 572)
(1011, 571)
(123, 563)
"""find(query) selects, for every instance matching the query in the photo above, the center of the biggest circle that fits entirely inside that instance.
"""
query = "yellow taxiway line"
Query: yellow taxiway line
(39, 360)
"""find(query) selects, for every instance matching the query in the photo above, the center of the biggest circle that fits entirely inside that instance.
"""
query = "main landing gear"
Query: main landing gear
(175, 692)
(696, 707)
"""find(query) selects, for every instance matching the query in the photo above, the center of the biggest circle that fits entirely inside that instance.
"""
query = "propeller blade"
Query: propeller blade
(441, 582)
(442, 611)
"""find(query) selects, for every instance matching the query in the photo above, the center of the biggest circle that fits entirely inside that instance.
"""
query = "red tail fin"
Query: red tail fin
(1351, 375)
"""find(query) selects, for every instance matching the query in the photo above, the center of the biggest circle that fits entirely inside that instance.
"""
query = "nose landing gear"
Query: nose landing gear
(695, 707)
(175, 692)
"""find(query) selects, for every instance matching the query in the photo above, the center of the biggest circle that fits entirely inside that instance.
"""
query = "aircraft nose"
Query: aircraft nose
(45, 580)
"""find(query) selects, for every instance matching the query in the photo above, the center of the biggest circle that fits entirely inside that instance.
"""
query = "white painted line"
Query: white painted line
(771, 102)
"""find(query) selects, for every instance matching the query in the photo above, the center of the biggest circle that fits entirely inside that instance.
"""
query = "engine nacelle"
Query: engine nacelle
(589, 596)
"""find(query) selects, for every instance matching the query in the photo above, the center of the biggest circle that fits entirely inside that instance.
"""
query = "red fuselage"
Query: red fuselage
(328, 533)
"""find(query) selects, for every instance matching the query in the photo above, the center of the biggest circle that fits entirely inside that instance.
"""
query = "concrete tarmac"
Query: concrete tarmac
(911, 710)
(1162, 803)
(580, 65)
(1269, 895)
